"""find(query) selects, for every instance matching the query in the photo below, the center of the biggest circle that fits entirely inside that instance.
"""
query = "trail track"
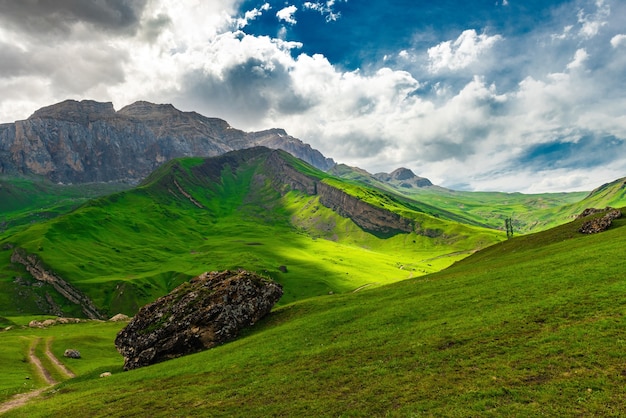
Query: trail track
(22, 398)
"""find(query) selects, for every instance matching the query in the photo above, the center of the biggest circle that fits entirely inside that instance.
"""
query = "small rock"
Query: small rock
(71, 353)
(120, 317)
(105, 374)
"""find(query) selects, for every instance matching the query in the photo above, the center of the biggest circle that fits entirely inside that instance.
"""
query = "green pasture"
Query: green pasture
(528, 327)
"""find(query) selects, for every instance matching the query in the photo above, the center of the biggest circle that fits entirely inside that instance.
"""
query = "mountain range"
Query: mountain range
(88, 141)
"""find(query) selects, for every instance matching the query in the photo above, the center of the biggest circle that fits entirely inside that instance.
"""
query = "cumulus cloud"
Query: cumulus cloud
(618, 40)
(251, 15)
(461, 53)
(579, 59)
(447, 112)
(286, 14)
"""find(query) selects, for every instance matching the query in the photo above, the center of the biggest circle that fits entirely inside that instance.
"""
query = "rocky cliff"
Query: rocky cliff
(88, 141)
(370, 218)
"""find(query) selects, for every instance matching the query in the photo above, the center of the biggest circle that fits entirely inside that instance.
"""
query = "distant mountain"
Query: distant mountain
(88, 141)
(403, 177)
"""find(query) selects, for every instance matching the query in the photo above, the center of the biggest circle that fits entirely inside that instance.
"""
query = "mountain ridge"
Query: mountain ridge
(88, 141)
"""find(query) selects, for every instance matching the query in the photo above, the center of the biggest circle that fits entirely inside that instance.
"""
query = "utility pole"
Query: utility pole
(508, 225)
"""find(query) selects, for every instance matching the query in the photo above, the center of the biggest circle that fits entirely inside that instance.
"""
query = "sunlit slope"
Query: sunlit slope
(228, 212)
(532, 326)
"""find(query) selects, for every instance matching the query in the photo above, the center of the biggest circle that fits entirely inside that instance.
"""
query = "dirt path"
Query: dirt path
(22, 398)
(60, 366)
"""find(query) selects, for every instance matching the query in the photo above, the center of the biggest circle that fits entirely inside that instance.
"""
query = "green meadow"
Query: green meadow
(460, 323)
(530, 326)
(126, 249)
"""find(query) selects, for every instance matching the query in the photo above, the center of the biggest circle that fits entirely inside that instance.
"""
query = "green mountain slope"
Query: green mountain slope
(529, 212)
(256, 209)
(528, 327)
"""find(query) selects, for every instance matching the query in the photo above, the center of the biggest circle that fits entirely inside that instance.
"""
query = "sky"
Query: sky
(492, 95)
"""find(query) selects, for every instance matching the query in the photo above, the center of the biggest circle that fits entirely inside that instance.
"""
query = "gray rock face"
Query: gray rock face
(208, 310)
(88, 141)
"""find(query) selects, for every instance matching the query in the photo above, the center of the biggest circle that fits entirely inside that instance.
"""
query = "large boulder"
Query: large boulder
(208, 310)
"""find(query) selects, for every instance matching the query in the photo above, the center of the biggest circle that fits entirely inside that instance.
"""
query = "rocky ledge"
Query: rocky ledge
(598, 224)
(207, 311)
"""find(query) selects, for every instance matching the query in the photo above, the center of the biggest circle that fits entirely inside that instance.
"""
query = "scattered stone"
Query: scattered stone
(207, 311)
(120, 317)
(105, 374)
(283, 269)
(599, 224)
(71, 353)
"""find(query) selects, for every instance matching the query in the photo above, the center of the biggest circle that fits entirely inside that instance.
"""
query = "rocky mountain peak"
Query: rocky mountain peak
(402, 174)
(81, 112)
(404, 178)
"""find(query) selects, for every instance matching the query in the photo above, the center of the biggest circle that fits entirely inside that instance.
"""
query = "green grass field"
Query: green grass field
(193, 215)
(531, 326)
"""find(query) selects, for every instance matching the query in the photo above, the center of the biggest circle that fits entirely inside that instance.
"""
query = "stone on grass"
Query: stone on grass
(207, 311)
(71, 353)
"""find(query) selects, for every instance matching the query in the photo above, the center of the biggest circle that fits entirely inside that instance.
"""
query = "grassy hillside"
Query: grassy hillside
(529, 212)
(195, 215)
(532, 326)
(27, 200)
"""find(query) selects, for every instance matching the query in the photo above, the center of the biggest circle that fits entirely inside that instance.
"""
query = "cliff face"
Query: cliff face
(369, 217)
(87, 141)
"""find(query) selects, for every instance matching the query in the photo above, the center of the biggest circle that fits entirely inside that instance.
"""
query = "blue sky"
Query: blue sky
(511, 95)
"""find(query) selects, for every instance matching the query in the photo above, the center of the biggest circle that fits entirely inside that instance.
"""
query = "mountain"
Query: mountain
(403, 177)
(88, 141)
(258, 209)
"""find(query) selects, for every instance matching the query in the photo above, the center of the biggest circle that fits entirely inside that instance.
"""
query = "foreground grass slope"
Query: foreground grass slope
(532, 326)
(194, 215)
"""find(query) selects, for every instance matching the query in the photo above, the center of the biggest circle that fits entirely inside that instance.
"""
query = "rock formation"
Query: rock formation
(209, 310)
(88, 141)
(40, 272)
(601, 223)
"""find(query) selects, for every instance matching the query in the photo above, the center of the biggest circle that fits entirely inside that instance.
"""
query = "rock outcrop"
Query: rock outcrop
(370, 218)
(207, 311)
(40, 272)
(598, 224)
(88, 141)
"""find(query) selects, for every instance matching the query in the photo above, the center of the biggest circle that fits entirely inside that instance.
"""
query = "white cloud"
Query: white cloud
(286, 14)
(579, 59)
(618, 40)
(592, 23)
(461, 53)
(469, 128)
(325, 9)
(251, 15)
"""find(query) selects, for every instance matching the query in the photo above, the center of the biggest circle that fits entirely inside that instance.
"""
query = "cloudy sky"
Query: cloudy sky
(511, 95)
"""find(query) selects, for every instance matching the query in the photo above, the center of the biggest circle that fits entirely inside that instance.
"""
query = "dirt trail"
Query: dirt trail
(60, 366)
(22, 398)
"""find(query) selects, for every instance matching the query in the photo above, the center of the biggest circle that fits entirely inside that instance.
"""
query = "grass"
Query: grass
(194, 215)
(531, 326)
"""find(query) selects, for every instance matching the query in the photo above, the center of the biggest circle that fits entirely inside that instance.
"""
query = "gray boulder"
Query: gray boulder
(207, 311)
(71, 353)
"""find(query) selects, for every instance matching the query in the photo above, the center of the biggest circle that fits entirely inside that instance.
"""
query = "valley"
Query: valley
(400, 297)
